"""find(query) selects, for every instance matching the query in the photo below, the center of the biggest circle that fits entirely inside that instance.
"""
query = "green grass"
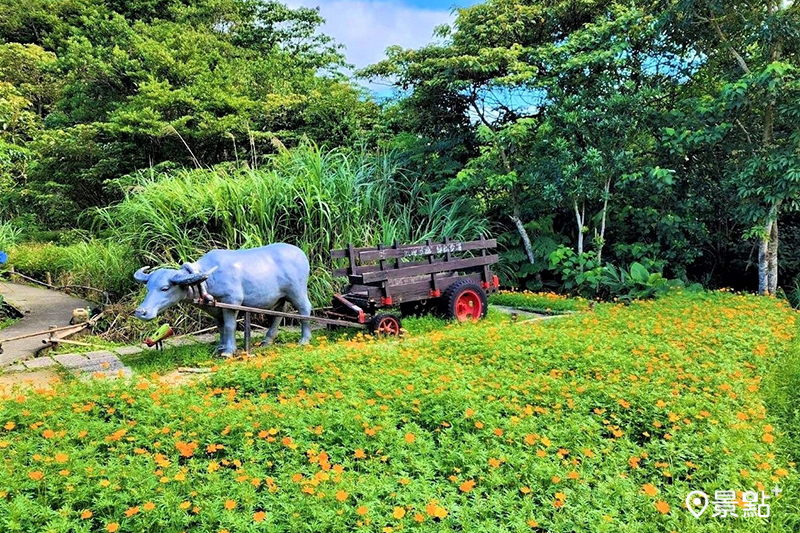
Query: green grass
(598, 422)
(539, 302)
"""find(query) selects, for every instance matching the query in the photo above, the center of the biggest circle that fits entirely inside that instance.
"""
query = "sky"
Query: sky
(367, 27)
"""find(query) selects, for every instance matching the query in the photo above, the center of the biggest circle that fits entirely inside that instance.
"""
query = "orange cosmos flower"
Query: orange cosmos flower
(132, 511)
(362, 510)
(48, 433)
(112, 527)
(649, 489)
(662, 506)
(410, 438)
(36, 475)
(186, 448)
(61, 458)
(259, 516)
(149, 506)
(230, 505)
(359, 454)
(341, 495)
(86, 515)
(398, 513)
(467, 485)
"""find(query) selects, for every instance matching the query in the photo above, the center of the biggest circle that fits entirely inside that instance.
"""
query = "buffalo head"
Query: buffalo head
(165, 288)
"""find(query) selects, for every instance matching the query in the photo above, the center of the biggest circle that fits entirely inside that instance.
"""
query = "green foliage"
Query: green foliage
(665, 125)
(9, 235)
(637, 283)
(316, 199)
(103, 264)
(287, 431)
(142, 83)
(580, 273)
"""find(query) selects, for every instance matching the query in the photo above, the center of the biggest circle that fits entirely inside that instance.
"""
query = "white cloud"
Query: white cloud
(366, 28)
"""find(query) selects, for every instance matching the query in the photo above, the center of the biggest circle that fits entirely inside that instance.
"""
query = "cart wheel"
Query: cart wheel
(385, 324)
(465, 301)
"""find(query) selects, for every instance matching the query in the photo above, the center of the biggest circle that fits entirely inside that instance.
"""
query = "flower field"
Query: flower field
(602, 421)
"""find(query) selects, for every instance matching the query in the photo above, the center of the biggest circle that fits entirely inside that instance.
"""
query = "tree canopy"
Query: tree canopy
(118, 87)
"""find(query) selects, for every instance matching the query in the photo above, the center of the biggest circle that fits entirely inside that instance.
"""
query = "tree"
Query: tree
(750, 70)
(155, 83)
(553, 96)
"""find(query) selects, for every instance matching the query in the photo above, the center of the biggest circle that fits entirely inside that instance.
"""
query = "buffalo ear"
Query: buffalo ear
(142, 275)
(186, 279)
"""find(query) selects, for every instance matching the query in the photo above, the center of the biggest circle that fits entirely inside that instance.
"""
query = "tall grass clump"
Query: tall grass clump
(103, 264)
(9, 235)
(315, 199)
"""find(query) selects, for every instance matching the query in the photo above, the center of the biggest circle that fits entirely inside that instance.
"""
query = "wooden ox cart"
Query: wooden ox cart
(384, 283)
(452, 278)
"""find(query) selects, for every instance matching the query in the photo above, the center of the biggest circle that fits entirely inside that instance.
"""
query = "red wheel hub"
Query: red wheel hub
(388, 326)
(469, 306)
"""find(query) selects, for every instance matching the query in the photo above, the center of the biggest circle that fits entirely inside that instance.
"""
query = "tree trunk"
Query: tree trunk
(768, 254)
(768, 251)
(603, 223)
(772, 259)
(763, 282)
(526, 241)
(579, 221)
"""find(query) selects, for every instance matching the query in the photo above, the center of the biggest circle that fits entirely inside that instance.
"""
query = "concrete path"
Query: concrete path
(42, 308)
(523, 315)
(100, 363)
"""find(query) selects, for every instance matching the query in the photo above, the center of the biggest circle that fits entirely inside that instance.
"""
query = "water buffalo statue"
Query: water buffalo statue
(263, 277)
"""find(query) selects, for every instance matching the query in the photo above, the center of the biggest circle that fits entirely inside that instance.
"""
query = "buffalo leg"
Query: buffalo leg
(228, 335)
(220, 330)
(303, 305)
(276, 323)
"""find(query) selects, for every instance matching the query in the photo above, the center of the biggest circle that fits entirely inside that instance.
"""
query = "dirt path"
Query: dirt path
(43, 308)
